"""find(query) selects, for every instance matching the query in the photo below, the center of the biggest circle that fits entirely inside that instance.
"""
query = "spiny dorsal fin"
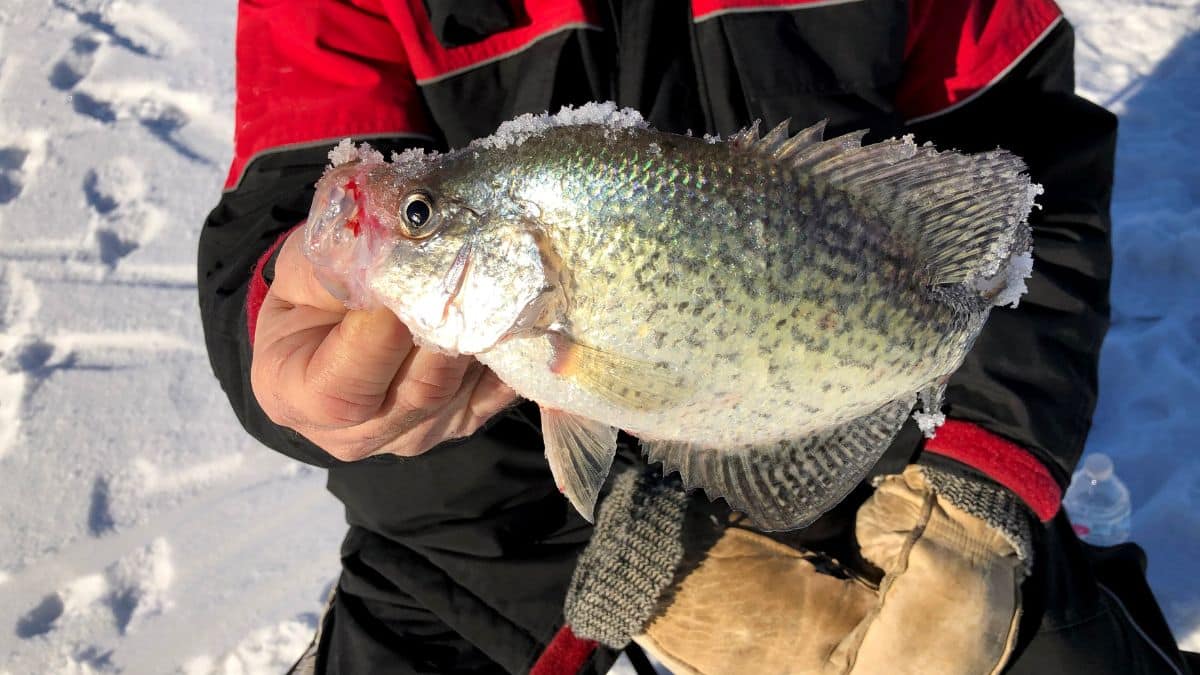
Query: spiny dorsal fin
(964, 214)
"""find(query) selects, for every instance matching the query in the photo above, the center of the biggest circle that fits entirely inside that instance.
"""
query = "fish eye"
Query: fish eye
(417, 216)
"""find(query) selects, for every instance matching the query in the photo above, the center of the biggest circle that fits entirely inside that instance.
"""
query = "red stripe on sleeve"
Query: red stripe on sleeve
(257, 291)
(956, 49)
(313, 70)
(1005, 462)
(703, 10)
(538, 19)
(565, 654)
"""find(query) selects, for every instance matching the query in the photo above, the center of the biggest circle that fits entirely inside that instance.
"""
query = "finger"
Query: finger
(490, 396)
(296, 279)
(279, 319)
(277, 370)
(429, 380)
(408, 432)
(351, 373)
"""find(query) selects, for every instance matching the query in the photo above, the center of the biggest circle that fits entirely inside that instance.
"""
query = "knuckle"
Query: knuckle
(349, 451)
(339, 409)
(434, 388)
(376, 334)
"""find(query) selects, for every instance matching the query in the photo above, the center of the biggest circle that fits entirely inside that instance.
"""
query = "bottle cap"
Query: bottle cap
(1097, 466)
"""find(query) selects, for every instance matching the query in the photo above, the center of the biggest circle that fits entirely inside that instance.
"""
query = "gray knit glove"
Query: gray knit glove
(993, 504)
(705, 595)
(632, 560)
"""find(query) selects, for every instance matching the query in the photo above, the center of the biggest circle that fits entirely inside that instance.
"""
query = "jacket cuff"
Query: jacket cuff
(1007, 463)
(260, 283)
(631, 561)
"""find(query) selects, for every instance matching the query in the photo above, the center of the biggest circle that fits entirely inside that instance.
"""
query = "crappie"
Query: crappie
(762, 313)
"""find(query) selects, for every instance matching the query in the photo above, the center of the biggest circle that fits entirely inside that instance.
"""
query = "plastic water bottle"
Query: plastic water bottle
(1097, 502)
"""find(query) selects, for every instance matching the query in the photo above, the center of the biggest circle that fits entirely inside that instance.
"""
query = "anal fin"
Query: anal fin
(789, 484)
(580, 452)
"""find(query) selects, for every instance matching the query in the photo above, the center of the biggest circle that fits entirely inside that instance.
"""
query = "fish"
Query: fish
(763, 312)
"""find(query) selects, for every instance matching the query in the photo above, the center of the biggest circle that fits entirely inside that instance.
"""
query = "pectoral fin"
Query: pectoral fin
(627, 382)
(789, 484)
(580, 452)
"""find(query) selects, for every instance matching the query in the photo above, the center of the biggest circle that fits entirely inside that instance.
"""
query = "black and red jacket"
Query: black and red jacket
(458, 560)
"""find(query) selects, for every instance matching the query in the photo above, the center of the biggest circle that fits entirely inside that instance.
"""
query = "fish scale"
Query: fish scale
(748, 308)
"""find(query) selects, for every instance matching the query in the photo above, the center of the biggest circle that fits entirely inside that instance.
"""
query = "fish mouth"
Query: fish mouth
(339, 238)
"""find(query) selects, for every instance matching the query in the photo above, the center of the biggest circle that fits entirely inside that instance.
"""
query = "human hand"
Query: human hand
(948, 602)
(352, 381)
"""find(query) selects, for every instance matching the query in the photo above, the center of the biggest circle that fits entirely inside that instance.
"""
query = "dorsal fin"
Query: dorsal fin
(964, 214)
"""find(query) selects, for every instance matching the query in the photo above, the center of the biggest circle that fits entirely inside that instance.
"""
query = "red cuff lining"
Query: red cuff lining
(1004, 462)
(565, 654)
(257, 292)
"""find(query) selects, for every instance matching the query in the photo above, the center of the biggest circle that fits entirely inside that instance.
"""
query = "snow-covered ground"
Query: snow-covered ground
(141, 530)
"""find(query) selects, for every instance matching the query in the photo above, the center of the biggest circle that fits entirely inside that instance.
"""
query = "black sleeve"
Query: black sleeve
(273, 195)
(1032, 375)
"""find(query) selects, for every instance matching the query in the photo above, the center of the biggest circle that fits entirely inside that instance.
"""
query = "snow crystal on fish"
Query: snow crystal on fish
(516, 131)
(1008, 285)
(929, 422)
(1019, 269)
(346, 151)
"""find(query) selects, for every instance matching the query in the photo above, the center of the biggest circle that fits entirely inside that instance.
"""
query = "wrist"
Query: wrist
(1003, 462)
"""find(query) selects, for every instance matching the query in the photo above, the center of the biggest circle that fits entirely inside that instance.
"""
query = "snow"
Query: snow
(144, 531)
(520, 129)
(346, 151)
(1019, 269)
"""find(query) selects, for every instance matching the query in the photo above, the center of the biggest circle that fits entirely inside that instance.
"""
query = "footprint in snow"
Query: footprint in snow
(161, 118)
(41, 619)
(88, 106)
(133, 588)
(124, 220)
(101, 25)
(12, 161)
(76, 63)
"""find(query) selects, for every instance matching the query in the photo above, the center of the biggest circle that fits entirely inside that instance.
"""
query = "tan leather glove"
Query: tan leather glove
(949, 600)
